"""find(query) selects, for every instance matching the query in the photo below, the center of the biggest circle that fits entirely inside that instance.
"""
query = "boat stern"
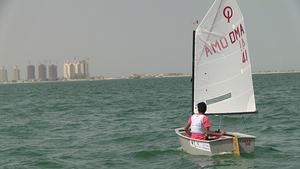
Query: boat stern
(246, 142)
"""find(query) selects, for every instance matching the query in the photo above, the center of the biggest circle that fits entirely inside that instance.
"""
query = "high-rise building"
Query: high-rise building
(69, 71)
(3, 74)
(84, 68)
(30, 72)
(42, 69)
(52, 70)
(16, 74)
(72, 71)
(76, 70)
(66, 70)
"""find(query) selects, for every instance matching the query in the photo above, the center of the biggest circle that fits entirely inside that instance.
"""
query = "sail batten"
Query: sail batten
(233, 113)
(222, 75)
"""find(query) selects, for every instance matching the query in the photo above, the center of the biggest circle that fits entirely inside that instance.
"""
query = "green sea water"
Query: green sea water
(130, 124)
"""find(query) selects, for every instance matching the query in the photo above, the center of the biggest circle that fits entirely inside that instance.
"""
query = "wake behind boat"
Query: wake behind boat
(222, 77)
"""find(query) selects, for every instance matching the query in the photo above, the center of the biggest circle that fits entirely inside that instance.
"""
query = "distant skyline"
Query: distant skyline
(133, 36)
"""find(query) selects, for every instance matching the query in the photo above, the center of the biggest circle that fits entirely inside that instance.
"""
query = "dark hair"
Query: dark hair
(201, 107)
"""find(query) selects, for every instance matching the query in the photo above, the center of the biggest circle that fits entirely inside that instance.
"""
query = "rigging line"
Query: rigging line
(220, 121)
(209, 34)
(209, 30)
(214, 20)
(209, 11)
(245, 124)
(203, 45)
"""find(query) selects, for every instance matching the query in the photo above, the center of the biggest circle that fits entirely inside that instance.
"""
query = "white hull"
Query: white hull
(223, 145)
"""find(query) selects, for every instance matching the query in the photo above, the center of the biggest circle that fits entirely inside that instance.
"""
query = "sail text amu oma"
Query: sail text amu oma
(222, 43)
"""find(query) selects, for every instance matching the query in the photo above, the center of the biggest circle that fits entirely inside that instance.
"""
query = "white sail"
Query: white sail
(222, 76)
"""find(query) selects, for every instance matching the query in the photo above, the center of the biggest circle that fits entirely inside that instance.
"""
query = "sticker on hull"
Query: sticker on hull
(200, 145)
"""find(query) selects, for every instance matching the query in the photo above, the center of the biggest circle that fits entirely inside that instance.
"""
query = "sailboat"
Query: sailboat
(222, 77)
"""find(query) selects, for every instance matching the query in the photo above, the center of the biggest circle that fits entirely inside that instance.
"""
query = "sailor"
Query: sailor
(199, 124)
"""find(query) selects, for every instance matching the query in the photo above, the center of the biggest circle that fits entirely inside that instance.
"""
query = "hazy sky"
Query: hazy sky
(121, 37)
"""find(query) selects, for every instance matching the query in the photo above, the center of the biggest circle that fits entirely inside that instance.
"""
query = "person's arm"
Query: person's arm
(207, 125)
(213, 133)
(187, 128)
(218, 134)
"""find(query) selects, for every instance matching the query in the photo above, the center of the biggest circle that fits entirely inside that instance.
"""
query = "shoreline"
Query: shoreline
(274, 72)
(98, 78)
(93, 79)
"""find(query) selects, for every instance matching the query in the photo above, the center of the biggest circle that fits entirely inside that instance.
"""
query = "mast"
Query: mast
(193, 71)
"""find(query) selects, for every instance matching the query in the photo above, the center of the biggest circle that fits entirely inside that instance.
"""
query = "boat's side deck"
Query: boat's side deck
(180, 132)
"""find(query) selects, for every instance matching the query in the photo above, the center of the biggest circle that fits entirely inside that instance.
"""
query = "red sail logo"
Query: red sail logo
(228, 12)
